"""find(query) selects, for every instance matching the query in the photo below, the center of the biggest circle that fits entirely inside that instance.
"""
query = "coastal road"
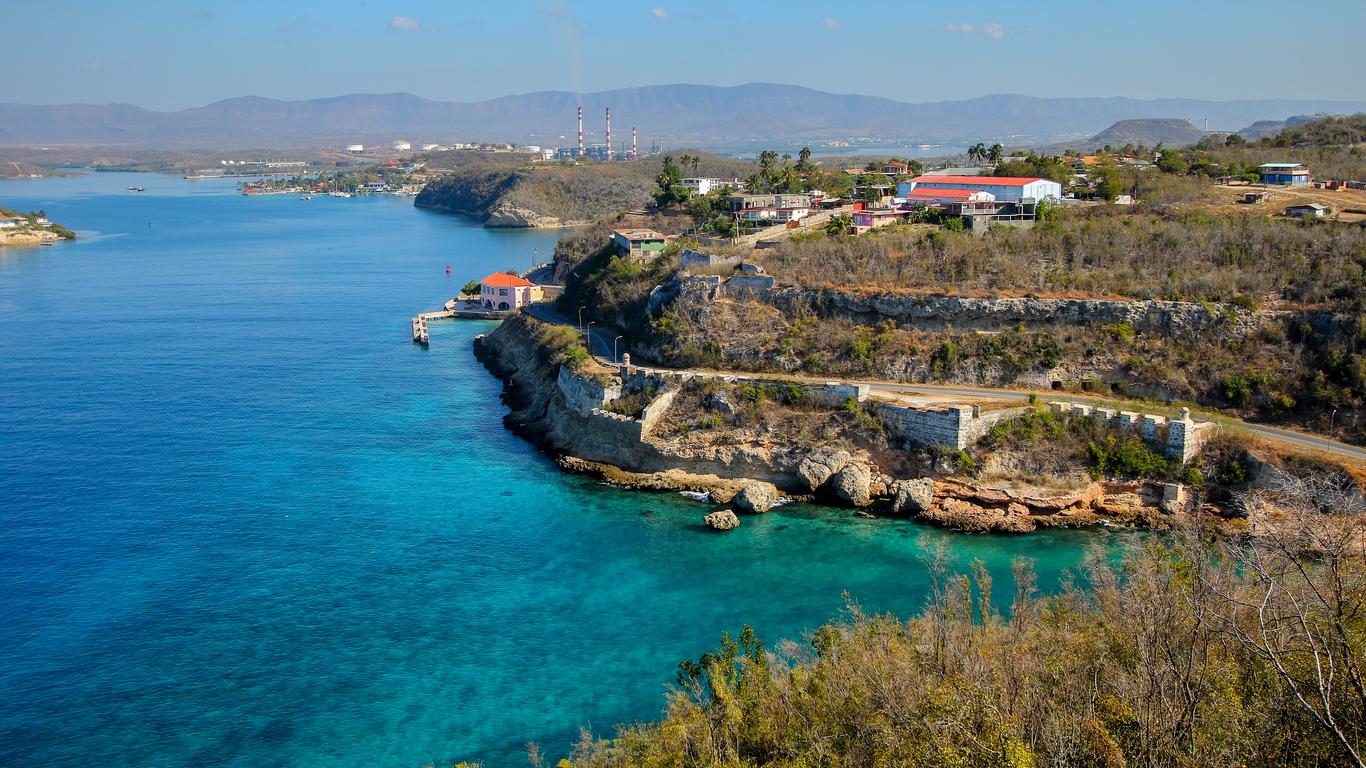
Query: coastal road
(600, 344)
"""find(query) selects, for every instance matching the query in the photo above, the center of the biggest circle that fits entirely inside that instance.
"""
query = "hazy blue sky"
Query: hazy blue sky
(166, 55)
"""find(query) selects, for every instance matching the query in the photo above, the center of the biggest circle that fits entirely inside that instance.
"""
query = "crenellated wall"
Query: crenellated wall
(1180, 438)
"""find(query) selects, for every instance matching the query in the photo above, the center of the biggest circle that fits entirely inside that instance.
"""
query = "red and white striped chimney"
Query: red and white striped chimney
(580, 131)
(609, 134)
(634, 156)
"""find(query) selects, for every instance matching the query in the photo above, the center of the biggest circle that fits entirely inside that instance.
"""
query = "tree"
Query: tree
(470, 288)
(669, 184)
(1107, 183)
(804, 160)
(977, 152)
(838, 224)
(1171, 161)
(995, 153)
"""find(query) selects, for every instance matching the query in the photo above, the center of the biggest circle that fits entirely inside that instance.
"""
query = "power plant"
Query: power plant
(604, 151)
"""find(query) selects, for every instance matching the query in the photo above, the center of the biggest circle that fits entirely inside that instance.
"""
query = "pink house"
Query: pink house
(502, 290)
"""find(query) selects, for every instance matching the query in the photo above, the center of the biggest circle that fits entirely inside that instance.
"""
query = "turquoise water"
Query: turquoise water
(244, 521)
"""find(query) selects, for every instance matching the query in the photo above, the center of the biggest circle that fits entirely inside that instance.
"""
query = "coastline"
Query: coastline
(566, 415)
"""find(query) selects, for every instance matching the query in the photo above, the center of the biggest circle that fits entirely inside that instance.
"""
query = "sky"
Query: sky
(168, 55)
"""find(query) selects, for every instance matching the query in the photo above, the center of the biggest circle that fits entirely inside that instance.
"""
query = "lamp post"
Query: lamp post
(615, 357)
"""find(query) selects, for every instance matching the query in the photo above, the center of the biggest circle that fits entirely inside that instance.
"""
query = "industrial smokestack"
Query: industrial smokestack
(609, 134)
(580, 131)
(634, 156)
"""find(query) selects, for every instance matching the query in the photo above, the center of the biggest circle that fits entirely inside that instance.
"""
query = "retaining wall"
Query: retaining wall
(954, 426)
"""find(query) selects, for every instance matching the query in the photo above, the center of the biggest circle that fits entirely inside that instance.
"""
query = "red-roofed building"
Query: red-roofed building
(505, 290)
(933, 196)
(1011, 189)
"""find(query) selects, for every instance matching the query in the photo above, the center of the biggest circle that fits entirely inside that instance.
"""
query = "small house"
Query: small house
(1284, 174)
(871, 218)
(638, 243)
(1306, 211)
(505, 290)
(1012, 189)
(9, 222)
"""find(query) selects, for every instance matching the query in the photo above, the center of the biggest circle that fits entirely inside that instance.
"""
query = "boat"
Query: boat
(305, 197)
(136, 189)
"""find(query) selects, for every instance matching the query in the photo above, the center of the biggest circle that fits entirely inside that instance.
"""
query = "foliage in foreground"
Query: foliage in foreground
(1187, 654)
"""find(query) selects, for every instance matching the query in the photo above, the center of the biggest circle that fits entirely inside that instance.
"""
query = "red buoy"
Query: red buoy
(448, 269)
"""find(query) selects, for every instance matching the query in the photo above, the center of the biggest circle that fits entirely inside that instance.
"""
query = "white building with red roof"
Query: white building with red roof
(505, 290)
(936, 196)
(1008, 189)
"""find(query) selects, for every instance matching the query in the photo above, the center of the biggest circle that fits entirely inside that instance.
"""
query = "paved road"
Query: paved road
(601, 347)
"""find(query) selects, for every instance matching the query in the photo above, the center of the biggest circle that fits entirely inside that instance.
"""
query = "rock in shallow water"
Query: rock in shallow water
(722, 520)
(852, 484)
(913, 496)
(758, 496)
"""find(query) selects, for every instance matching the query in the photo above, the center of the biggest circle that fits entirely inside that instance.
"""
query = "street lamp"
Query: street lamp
(615, 357)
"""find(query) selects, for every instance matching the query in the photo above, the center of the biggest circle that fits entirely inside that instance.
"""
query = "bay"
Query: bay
(244, 521)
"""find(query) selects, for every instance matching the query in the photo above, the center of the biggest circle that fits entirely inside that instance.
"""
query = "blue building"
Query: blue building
(1284, 174)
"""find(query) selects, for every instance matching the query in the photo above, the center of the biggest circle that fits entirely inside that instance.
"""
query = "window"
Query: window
(502, 291)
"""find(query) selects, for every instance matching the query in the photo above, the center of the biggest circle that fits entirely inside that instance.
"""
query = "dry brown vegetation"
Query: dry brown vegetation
(1185, 255)
(1190, 652)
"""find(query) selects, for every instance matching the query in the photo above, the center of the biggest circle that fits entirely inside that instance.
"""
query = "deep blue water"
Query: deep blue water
(244, 521)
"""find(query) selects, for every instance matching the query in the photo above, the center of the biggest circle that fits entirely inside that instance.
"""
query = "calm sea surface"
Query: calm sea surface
(245, 522)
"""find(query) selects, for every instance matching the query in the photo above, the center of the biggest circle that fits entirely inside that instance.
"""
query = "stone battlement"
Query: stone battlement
(1180, 438)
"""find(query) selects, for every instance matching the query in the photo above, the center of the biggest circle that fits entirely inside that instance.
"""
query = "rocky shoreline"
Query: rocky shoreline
(752, 477)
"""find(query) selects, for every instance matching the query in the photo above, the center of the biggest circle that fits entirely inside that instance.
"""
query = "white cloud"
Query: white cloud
(404, 24)
(660, 12)
(830, 23)
(993, 31)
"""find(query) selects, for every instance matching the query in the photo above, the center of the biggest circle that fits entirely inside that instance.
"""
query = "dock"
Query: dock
(420, 334)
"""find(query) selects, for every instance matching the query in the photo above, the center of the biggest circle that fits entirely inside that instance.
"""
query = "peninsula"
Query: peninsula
(1021, 348)
(30, 228)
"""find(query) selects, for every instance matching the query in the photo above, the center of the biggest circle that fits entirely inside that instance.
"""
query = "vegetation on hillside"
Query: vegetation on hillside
(1187, 653)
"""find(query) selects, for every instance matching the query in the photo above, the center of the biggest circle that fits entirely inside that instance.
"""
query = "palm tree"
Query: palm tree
(684, 160)
(994, 154)
(838, 224)
(696, 161)
(977, 152)
(754, 184)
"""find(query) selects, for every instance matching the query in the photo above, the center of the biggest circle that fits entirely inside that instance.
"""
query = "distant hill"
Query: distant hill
(1321, 131)
(677, 114)
(1149, 132)
(1272, 127)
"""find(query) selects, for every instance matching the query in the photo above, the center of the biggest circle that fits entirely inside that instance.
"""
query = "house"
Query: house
(9, 222)
(739, 203)
(702, 185)
(638, 243)
(894, 168)
(872, 218)
(505, 290)
(354, 148)
(1284, 174)
(401, 146)
(1306, 211)
(1011, 189)
(934, 196)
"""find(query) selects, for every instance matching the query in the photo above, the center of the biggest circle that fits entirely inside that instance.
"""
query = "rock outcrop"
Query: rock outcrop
(852, 484)
(509, 215)
(820, 466)
(757, 497)
(722, 520)
(913, 496)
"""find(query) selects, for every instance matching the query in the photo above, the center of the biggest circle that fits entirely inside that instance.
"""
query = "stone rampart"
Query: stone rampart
(953, 426)
(583, 395)
(1180, 438)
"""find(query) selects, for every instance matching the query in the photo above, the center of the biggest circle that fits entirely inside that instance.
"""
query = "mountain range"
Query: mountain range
(700, 114)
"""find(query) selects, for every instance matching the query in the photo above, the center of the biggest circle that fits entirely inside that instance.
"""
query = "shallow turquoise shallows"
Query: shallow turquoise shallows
(245, 522)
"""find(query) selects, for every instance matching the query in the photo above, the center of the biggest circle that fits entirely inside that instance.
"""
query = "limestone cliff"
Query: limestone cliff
(578, 417)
